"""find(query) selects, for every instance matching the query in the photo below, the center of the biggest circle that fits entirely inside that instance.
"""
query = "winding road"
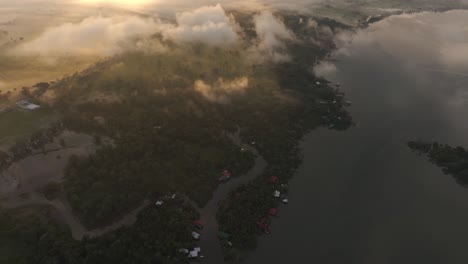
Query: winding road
(209, 241)
(65, 212)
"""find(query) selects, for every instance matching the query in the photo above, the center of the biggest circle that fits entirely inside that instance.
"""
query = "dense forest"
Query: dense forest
(168, 136)
(452, 160)
(246, 211)
(164, 136)
(151, 155)
(156, 237)
(178, 141)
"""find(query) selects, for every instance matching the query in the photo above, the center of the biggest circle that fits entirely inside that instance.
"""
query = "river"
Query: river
(361, 196)
(209, 241)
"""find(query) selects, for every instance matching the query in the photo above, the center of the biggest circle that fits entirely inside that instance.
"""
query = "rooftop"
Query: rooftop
(27, 105)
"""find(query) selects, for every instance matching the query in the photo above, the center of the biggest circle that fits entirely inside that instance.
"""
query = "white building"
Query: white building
(27, 105)
(277, 194)
(195, 235)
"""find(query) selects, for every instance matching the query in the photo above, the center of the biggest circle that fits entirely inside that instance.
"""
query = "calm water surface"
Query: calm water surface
(361, 196)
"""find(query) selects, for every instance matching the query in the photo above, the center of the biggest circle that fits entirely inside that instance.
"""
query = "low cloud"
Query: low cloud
(107, 36)
(256, 5)
(93, 36)
(209, 25)
(325, 69)
(445, 38)
(323, 34)
(272, 37)
(221, 90)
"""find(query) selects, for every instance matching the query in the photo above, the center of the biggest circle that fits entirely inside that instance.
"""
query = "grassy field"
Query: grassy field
(19, 124)
(17, 72)
(23, 23)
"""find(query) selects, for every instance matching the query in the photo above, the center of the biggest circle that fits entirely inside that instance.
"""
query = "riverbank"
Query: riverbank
(249, 227)
(174, 141)
(210, 241)
(452, 160)
(361, 196)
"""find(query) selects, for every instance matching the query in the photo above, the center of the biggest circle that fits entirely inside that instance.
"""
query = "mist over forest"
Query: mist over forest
(168, 131)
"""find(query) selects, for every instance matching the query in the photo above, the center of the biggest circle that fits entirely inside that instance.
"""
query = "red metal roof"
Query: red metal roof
(273, 179)
(198, 223)
(273, 211)
(264, 227)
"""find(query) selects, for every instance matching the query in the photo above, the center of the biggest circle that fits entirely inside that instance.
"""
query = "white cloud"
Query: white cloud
(92, 36)
(272, 36)
(271, 31)
(325, 69)
(221, 90)
(209, 25)
(445, 38)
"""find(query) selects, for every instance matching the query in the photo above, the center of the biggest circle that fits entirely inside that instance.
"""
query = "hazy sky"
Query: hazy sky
(172, 3)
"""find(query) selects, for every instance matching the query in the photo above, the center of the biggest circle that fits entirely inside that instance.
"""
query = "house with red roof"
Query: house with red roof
(198, 224)
(225, 176)
(273, 179)
(273, 211)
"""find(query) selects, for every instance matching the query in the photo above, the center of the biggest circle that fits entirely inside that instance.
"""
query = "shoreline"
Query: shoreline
(209, 211)
(245, 254)
(209, 240)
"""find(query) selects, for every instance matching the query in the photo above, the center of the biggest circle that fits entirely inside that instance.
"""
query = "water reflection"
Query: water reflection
(361, 195)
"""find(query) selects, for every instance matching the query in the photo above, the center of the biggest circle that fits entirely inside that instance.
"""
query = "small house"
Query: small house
(193, 254)
(277, 194)
(184, 251)
(198, 224)
(225, 176)
(195, 235)
(273, 211)
(262, 225)
(27, 105)
(273, 179)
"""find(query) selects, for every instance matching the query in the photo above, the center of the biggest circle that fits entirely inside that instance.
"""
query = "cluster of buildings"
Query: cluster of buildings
(193, 253)
(197, 224)
(264, 223)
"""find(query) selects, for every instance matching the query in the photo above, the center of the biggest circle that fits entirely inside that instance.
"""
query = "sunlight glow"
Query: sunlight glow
(128, 3)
